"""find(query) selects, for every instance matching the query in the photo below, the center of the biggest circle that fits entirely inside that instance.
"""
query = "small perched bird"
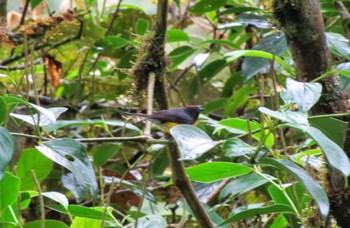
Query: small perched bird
(171, 117)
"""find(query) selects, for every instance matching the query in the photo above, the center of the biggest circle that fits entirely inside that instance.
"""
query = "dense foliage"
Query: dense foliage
(70, 158)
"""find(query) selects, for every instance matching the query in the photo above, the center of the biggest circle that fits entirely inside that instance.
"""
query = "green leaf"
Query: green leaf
(47, 223)
(336, 157)
(9, 190)
(243, 126)
(338, 45)
(90, 212)
(176, 35)
(274, 44)
(180, 54)
(215, 171)
(57, 197)
(334, 129)
(32, 159)
(6, 149)
(296, 119)
(111, 43)
(51, 114)
(35, 3)
(232, 56)
(236, 147)
(67, 123)
(192, 141)
(244, 214)
(255, 20)
(72, 155)
(243, 184)
(104, 152)
(207, 6)
(141, 26)
(222, 42)
(280, 222)
(305, 95)
(210, 70)
(314, 189)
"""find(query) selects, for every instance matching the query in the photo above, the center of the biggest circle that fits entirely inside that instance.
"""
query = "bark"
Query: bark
(302, 22)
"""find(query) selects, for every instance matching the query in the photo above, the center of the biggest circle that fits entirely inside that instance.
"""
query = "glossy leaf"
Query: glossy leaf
(305, 95)
(336, 157)
(314, 189)
(32, 160)
(57, 197)
(338, 45)
(207, 6)
(243, 184)
(49, 117)
(6, 149)
(72, 155)
(275, 44)
(192, 141)
(334, 129)
(296, 119)
(9, 190)
(215, 171)
(97, 122)
(237, 147)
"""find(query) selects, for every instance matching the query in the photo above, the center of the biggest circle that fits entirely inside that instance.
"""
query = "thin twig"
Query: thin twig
(41, 199)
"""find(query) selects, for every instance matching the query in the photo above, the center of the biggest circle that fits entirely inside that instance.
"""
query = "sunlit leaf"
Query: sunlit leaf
(305, 95)
(192, 141)
(9, 190)
(215, 171)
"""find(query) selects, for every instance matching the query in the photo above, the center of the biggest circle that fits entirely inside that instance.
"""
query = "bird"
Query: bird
(171, 117)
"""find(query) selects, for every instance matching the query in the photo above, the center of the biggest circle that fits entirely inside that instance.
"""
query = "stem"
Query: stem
(182, 181)
(41, 200)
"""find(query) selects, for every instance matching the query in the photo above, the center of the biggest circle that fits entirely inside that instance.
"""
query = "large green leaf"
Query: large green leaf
(334, 129)
(192, 141)
(336, 157)
(207, 6)
(32, 160)
(244, 184)
(294, 118)
(177, 35)
(9, 190)
(248, 213)
(46, 223)
(314, 189)
(305, 95)
(215, 171)
(236, 147)
(274, 44)
(6, 149)
(72, 155)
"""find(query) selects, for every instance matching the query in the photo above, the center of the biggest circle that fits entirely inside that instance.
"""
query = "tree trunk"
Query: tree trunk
(302, 22)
